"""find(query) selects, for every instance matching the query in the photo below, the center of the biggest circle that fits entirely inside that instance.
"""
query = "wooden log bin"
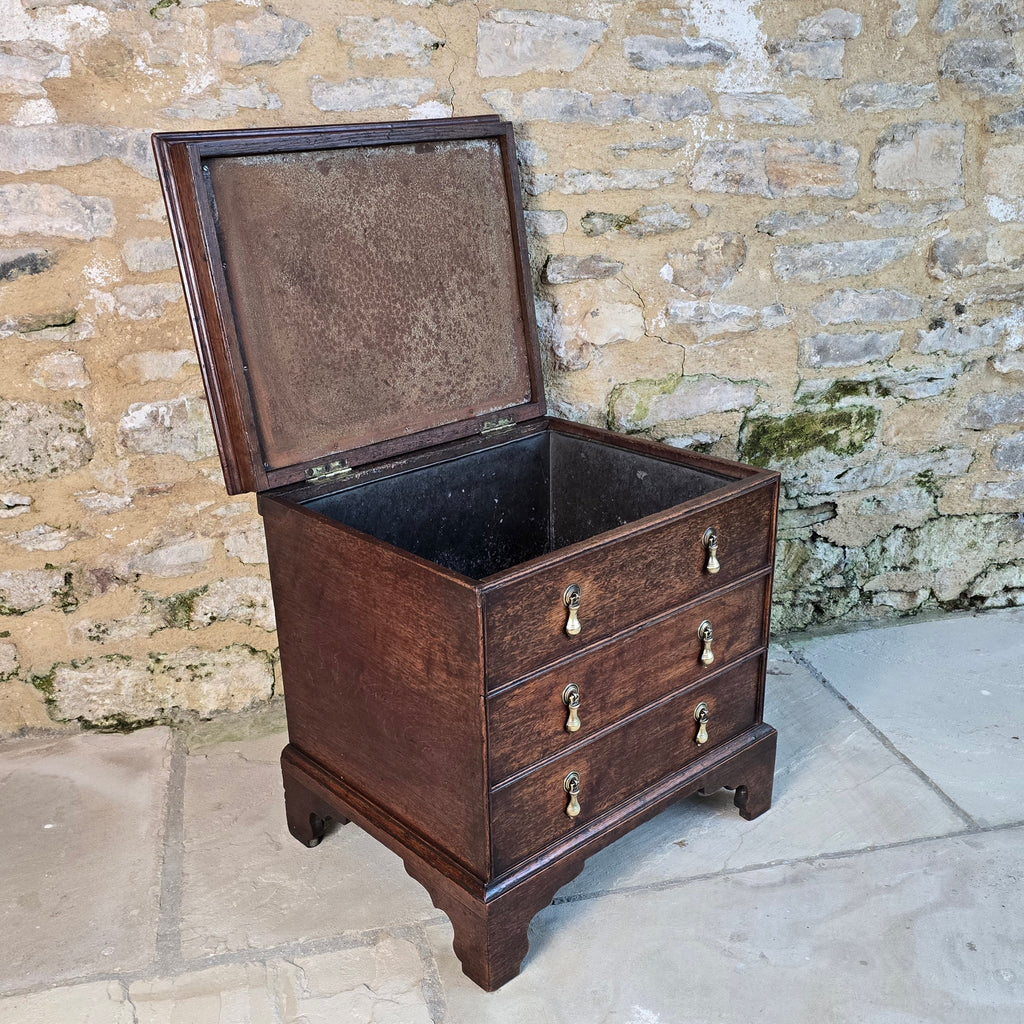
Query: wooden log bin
(506, 639)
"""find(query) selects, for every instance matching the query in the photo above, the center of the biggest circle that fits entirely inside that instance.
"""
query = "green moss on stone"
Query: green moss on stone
(178, 609)
(630, 404)
(160, 8)
(843, 431)
(118, 723)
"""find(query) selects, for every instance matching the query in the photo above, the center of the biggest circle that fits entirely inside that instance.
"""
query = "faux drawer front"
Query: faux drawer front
(623, 582)
(613, 679)
(529, 814)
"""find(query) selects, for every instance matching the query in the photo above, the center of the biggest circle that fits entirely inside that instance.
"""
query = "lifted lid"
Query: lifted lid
(356, 291)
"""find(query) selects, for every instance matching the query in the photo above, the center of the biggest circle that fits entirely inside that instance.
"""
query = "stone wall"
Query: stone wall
(768, 230)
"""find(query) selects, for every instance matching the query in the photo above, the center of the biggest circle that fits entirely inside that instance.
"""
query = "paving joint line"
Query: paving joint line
(803, 661)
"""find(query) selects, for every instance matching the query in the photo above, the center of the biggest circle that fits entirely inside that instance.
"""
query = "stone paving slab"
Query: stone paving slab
(928, 933)
(99, 1002)
(247, 883)
(80, 852)
(948, 694)
(837, 787)
(381, 983)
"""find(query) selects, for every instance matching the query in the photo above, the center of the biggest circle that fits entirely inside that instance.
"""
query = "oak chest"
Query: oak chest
(506, 639)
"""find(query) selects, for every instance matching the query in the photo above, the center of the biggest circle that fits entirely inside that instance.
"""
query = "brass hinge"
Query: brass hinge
(337, 468)
(491, 426)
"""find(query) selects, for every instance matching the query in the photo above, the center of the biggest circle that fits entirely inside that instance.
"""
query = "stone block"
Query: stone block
(766, 108)
(15, 263)
(179, 426)
(822, 60)
(920, 157)
(810, 167)
(988, 410)
(145, 301)
(985, 66)
(835, 23)
(380, 38)
(23, 590)
(107, 689)
(47, 147)
(576, 181)
(658, 219)
(240, 598)
(822, 261)
(958, 339)
(148, 255)
(570, 106)
(851, 305)
(268, 38)
(512, 42)
(12, 504)
(8, 660)
(710, 264)
(546, 223)
(173, 556)
(59, 370)
(903, 19)
(42, 441)
(37, 209)
(872, 96)
(369, 93)
(655, 53)
(1003, 171)
(782, 222)
(771, 440)
(833, 350)
(1008, 121)
(643, 404)
(42, 537)
(1008, 454)
(735, 168)
(962, 256)
(224, 101)
(888, 215)
(158, 365)
(836, 475)
(25, 64)
(588, 316)
(248, 545)
(567, 269)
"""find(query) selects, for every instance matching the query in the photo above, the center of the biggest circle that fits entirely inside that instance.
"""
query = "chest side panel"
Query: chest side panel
(625, 581)
(382, 666)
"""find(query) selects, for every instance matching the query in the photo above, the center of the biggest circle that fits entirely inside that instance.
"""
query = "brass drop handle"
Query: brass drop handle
(571, 598)
(706, 634)
(572, 787)
(710, 540)
(571, 699)
(700, 716)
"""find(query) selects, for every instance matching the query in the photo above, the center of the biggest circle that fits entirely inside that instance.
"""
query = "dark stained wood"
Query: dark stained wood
(627, 575)
(528, 813)
(526, 722)
(383, 678)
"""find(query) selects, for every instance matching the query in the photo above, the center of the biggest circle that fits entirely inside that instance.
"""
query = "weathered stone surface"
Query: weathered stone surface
(999, 490)
(770, 440)
(42, 538)
(837, 476)
(958, 338)
(920, 157)
(810, 60)
(1009, 453)
(266, 39)
(766, 108)
(566, 269)
(579, 182)
(658, 219)
(22, 590)
(834, 23)
(810, 167)
(781, 222)
(1008, 121)
(61, 370)
(646, 403)
(8, 660)
(654, 53)
(242, 598)
(26, 64)
(545, 223)
(174, 556)
(147, 255)
(41, 441)
(103, 503)
(224, 101)
(248, 545)
(1003, 171)
(380, 38)
(850, 306)
(145, 301)
(37, 325)
(158, 365)
(710, 264)
(870, 96)
(987, 410)
(568, 106)
(511, 42)
(369, 93)
(1010, 362)
(821, 350)
(821, 261)
(888, 215)
(12, 504)
(15, 263)
(736, 168)
(986, 66)
(903, 19)
(45, 147)
(918, 383)
(960, 256)
(589, 316)
(105, 689)
(35, 209)
(180, 426)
